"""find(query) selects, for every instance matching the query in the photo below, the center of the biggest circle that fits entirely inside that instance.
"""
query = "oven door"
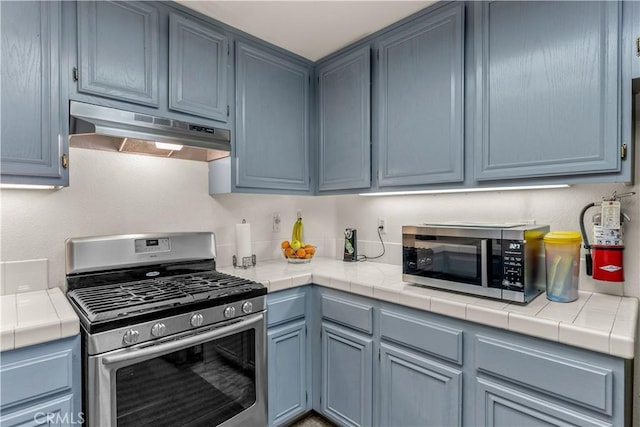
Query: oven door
(208, 377)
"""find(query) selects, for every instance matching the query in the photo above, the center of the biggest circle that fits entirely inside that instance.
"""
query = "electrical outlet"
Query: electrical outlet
(382, 225)
(276, 222)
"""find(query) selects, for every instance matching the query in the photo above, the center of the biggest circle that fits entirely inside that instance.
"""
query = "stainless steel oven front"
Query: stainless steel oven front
(214, 375)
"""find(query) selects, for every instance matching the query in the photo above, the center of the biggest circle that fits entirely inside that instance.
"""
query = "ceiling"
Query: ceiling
(310, 28)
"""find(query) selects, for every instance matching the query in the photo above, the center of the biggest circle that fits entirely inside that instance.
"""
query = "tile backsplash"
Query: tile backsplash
(24, 276)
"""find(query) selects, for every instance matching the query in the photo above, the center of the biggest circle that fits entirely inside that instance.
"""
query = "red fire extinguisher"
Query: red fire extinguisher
(604, 257)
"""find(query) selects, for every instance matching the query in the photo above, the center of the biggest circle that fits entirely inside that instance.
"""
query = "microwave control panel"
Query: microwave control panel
(513, 264)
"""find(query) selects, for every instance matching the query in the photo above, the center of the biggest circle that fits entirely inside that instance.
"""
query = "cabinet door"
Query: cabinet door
(52, 413)
(498, 405)
(632, 48)
(272, 121)
(31, 131)
(197, 69)
(344, 122)
(547, 81)
(347, 370)
(287, 372)
(420, 101)
(118, 50)
(418, 391)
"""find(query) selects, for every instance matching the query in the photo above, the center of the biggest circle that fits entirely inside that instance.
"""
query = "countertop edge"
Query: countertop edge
(56, 321)
(558, 322)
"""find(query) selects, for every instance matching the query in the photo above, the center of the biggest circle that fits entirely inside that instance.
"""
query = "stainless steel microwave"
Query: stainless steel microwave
(503, 261)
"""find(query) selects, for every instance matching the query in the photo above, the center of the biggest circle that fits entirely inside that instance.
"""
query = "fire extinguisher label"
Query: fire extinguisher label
(610, 268)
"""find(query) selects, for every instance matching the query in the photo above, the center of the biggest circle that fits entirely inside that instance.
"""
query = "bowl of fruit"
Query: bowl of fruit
(296, 251)
(301, 255)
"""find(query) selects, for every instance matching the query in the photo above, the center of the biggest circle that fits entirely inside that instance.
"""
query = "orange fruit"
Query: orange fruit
(300, 253)
(285, 244)
(288, 252)
(310, 250)
(307, 256)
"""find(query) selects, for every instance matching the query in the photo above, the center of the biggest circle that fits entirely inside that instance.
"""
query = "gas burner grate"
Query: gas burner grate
(106, 302)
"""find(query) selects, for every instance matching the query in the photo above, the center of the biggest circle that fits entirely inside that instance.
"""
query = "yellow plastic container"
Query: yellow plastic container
(562, 257)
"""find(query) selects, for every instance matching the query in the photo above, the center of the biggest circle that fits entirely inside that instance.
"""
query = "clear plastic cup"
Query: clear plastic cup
(562, 258)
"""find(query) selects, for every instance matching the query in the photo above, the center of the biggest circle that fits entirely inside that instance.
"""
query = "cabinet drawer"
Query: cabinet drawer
(500, 405)
(575, 381)
(355, 315)
(432, 338)
(35, 377)
(285, 308)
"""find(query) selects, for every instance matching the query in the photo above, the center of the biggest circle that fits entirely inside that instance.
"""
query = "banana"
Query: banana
(296, 234)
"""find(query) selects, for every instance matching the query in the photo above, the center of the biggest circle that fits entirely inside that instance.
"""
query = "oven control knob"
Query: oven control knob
(158, 329)
(197, 320)
(229, 312)
(130, 337)
(247, 307)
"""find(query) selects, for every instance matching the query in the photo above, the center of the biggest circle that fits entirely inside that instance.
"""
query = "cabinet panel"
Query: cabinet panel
(287, 372)
(347, 370)
(436, 339)
(35, 377)
(497, 405)
(272, 113)
(585, 384)
(632, 8)
(32, 128)
(420, 97)
(349, 313)
(547, 84)
(418, 391)
(118, 50)
(283, 308)
(52, 413)
(344, 122)
(197, 69)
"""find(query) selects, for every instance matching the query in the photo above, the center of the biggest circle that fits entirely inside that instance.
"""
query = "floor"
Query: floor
(313, 420)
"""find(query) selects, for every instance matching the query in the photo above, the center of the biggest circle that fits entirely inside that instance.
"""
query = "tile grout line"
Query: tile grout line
(583, 307)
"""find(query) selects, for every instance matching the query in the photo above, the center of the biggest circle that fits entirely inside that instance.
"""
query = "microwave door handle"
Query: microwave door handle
(484, 256)
(140, 355)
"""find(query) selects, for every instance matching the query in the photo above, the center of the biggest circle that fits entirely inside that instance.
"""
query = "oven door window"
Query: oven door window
(202, 385)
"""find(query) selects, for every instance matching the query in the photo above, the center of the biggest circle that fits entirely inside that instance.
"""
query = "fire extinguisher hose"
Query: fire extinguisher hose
(585, 240)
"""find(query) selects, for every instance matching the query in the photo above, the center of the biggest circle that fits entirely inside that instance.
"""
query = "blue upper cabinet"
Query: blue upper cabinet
(344, 117)
(32, 111)
(118, 50)
(632, 48)
(197, 69)
(420, 100)
(272, 120)
(547, 89)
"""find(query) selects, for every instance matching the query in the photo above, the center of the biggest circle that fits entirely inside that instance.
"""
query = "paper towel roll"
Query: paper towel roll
(243, 241)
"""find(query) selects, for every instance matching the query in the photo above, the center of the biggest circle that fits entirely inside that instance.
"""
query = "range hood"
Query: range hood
(109, 129)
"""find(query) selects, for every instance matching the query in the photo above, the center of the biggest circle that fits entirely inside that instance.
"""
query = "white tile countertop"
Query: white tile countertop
(598, 322)
(30, 318)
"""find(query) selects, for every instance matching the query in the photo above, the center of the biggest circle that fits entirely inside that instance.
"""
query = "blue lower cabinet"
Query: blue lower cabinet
(417, 391)
(57, 412)
(41, 385)
(499, 405)
(347, 372)
(287, 372)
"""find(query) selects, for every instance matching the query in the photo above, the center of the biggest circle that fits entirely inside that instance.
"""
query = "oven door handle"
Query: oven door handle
(135, 355)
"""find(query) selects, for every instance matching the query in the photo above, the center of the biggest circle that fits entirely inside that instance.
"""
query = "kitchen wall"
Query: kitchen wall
(113, 193)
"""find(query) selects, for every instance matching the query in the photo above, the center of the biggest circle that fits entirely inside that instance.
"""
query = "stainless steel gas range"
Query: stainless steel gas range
(166, 339)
